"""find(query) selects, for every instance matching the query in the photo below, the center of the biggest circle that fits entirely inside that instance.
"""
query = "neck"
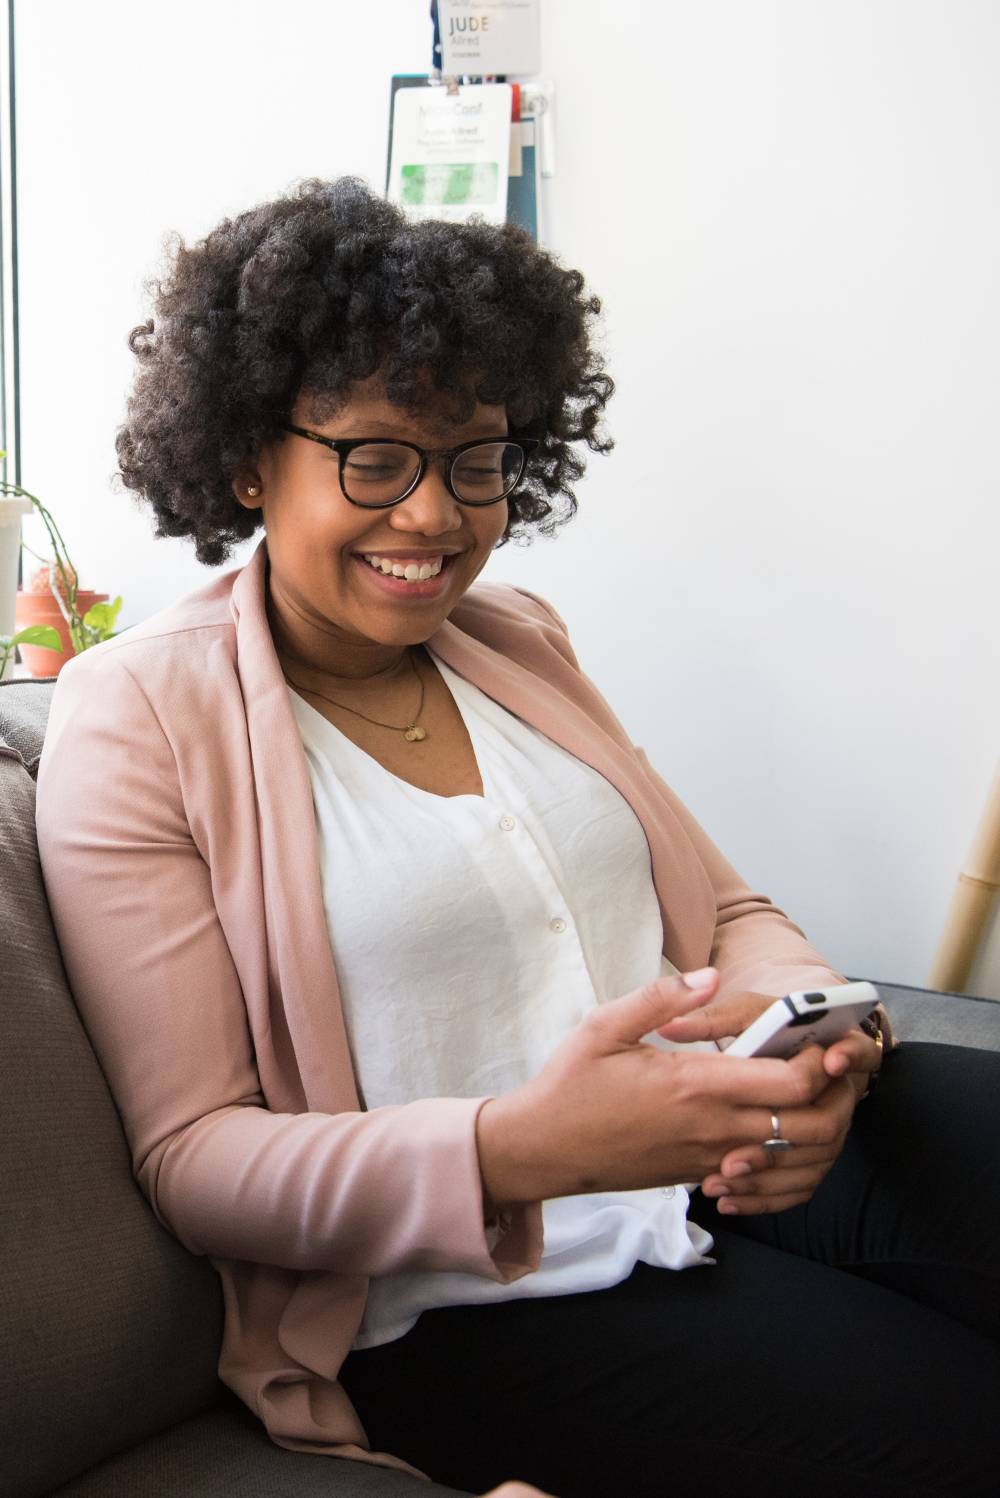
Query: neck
(306, 649)
(300, 664)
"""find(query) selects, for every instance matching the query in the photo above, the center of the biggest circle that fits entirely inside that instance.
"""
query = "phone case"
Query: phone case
(809, 1016)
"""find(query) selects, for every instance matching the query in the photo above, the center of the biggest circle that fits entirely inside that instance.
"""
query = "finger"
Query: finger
(817, 1131)
(823, 1125)
(626, 1020)
(755, 1206)
(722, 1018)
(757, 1161)
(856, 1052)
(810, 1061)
(774, 1170)
(759, 1081)
(769, 1183)
(741, 1162)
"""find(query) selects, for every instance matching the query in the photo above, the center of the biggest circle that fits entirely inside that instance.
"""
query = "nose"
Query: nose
(430, 509)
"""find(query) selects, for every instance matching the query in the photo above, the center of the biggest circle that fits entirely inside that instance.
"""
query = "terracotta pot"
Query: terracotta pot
(42, 608)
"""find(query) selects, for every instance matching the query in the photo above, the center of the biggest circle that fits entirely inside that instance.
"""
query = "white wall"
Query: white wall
(785, 578)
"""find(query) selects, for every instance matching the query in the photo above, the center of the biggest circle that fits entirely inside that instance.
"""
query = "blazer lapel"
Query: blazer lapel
(530, 697)
(300, 958)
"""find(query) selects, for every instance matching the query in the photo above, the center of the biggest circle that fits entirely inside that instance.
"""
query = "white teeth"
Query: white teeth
(411, 571)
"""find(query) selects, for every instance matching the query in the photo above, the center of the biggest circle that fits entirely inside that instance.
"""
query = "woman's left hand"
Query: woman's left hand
(752, 1179)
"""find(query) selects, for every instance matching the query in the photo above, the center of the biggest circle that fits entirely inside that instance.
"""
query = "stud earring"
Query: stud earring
(253, 490)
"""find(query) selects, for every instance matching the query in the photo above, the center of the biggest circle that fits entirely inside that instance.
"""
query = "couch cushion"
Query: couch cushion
(227, 1453)
(110, 1329)
(24, 711)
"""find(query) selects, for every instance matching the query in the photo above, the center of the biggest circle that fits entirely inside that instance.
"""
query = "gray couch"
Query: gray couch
(110, 1329)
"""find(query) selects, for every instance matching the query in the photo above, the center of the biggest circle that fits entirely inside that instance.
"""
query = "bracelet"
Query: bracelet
(876, 1026)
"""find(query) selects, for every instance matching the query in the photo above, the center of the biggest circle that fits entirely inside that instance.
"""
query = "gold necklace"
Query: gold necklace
(412, 731)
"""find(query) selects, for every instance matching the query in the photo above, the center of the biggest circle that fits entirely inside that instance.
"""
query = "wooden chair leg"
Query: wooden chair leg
(972, 901)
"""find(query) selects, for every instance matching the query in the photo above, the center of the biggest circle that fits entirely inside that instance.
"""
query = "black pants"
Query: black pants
(849, 1346)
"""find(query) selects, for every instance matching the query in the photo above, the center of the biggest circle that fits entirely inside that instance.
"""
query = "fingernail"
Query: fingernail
(718, 1191)
(727, 1206)
(741, 1168)
(701, 978)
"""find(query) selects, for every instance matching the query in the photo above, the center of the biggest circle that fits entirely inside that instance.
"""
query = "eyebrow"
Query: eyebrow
(378, 428)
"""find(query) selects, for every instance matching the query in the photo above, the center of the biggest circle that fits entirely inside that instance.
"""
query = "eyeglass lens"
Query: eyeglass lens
(379, 472)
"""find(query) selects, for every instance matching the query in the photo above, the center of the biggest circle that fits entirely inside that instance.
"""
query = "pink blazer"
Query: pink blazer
(179, 851)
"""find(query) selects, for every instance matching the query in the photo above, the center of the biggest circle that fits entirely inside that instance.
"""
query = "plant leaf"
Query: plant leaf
(101, 617)
(36, 634)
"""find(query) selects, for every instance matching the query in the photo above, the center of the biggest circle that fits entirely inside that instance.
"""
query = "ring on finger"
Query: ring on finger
(775, 1144)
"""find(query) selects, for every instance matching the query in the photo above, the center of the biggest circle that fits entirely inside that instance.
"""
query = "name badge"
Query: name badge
(480, 37)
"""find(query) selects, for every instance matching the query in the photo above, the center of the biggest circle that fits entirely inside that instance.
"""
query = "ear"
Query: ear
(248, 490)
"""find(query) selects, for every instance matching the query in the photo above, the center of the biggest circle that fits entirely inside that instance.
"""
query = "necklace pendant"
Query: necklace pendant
(414, 734)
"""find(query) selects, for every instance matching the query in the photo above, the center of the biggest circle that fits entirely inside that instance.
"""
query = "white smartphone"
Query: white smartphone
(814, 1016)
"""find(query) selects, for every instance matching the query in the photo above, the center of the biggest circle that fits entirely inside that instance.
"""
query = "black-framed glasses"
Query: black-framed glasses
(375, 473)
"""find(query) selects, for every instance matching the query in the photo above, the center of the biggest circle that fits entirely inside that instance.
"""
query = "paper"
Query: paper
(522, 188)
(480, 37)
(450, 154)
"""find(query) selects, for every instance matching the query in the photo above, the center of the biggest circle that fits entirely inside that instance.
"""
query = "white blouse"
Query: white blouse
(470, 935)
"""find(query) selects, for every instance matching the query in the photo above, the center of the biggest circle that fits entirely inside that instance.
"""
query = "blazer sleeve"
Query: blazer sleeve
(159, 992)
(755, 946)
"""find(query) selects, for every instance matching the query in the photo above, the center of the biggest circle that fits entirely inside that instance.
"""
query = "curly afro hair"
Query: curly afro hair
(330, 285)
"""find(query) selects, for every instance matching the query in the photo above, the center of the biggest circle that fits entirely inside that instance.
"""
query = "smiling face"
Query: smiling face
(329, 606)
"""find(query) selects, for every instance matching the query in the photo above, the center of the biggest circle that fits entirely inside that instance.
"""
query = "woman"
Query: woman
(354, 976)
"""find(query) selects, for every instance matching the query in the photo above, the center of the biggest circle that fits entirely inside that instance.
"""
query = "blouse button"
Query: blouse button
(507, 823)
(669, 1191)
(557, 924)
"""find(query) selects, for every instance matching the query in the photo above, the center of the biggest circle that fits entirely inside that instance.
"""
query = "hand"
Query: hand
(721, 1020)
(752, 1179)
(608, 1113)
(856, 1056)
(757, 1180)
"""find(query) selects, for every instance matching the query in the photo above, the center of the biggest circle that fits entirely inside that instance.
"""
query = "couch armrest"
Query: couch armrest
(932, 1014)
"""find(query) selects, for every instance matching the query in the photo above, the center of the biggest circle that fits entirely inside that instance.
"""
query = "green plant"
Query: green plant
(91, 628)
(36, 634)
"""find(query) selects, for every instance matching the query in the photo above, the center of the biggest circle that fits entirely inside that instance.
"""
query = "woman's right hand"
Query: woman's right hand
(608, 1113)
